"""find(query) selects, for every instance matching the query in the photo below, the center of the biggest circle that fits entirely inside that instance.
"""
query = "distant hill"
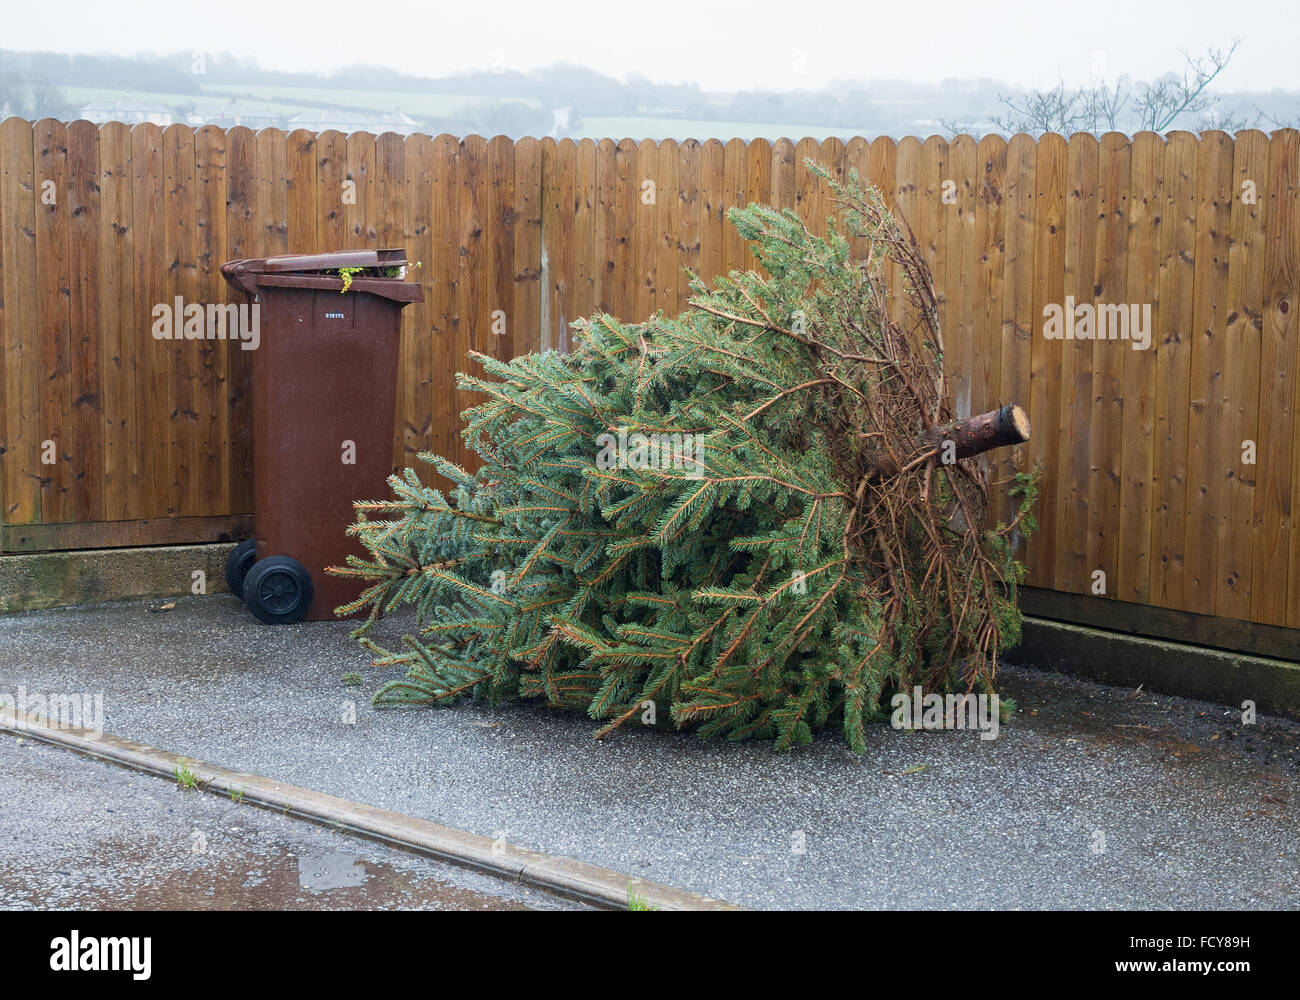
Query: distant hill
(561, 100)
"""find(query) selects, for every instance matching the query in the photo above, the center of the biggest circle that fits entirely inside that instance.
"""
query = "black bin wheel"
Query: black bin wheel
(238, 563)
(278, 590)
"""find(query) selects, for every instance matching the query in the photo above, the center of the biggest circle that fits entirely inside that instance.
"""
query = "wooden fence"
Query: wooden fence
(1171, 470)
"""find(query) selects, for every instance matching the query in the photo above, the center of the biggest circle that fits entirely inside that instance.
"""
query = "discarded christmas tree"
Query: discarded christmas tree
(755, 519)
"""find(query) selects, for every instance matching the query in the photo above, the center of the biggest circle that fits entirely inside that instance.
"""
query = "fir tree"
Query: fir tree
(740, 519)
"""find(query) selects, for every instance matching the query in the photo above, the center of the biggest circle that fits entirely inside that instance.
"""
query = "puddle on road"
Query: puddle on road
(331, 871)
(126, 879)
(1083, 726)
(1204, 746)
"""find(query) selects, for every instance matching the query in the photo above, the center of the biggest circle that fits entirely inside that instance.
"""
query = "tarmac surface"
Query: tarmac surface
(80, 834)
(1090, 797)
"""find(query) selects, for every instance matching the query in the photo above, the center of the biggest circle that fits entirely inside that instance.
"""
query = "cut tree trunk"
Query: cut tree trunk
(1007, 425)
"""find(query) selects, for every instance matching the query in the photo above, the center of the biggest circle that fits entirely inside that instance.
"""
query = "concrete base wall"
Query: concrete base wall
(53, 579)
(1125, 660)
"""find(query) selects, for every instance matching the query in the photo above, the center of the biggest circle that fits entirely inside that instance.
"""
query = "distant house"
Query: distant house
(561, 126)
(399, 123)
(347, 120)
(128, 109)
(232, 114)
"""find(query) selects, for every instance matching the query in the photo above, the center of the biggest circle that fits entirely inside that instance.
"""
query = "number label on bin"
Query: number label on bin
(334, 315)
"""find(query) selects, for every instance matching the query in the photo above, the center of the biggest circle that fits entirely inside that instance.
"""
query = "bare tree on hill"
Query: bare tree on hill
(1156, 106)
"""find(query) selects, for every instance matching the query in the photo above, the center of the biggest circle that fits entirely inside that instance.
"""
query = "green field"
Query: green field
(408, 102)
(80, 96)
(287, 101)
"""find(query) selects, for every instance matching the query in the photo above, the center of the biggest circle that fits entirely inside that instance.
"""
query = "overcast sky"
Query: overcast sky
(744, 44)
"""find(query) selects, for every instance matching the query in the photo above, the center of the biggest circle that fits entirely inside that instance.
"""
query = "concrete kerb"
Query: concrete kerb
(563, 876)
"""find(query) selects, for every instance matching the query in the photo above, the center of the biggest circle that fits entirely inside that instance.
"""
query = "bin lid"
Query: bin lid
(330, 261)
(294, 271)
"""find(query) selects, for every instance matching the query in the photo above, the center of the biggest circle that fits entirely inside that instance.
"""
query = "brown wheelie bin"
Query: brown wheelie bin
(324, 391)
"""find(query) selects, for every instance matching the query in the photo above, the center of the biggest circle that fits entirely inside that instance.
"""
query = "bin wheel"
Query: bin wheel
(238, 563)
(278, 590)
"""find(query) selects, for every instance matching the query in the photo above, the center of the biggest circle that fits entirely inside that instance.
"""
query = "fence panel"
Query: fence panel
(1171, 470)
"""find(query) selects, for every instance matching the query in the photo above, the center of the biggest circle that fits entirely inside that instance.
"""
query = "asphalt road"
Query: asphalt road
(81, 834)
(1091, 797)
